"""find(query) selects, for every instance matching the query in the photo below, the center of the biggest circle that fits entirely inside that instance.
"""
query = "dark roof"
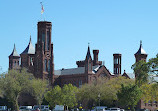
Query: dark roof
(88, 53)
(14, 52)
(29, 49)
(79, 70)
(141, 50)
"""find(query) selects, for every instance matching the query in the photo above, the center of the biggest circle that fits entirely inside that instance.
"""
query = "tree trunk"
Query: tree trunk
(15, 105)
(132, 108)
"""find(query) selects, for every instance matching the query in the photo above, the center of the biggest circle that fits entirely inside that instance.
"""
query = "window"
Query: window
(48, 40)
(14, 63)
(48, 65)
(80, 83)
(115, 61)
(45, 65)
(43, 39)
(31, 61)
(115, 70)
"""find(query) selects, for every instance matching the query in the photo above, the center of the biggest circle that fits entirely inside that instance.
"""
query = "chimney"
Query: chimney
(95, 56)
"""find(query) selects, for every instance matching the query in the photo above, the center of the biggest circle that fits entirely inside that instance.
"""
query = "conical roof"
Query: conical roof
(88, 53)
(29, 49)
(141, 50)
(14, 52)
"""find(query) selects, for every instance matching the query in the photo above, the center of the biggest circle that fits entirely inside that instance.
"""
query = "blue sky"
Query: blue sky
(112, 26)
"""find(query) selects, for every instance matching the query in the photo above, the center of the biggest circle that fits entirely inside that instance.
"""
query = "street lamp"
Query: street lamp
(99, 99)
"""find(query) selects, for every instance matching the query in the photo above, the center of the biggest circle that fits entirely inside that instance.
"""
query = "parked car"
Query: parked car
(99, 108)
(59, 108)
(113, 109)
(42, 108)
(25, 108)
(3, 108)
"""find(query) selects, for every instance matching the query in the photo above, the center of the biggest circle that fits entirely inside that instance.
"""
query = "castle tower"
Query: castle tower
(140, 54)
(117, 63)
(27, 57)
(88, 62)
(44, 64)
(14, 59)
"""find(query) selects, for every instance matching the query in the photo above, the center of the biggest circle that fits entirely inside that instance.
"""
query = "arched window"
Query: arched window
(43, 39)
(48, 65)
(48, 39)
(45, 65)
(14, 63)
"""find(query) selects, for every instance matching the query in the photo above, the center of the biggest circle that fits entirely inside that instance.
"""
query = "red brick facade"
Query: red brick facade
(40, 62)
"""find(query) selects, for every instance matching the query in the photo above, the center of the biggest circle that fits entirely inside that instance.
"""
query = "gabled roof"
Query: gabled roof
(29, 49)
(14, 52)
(141, 50)
(129, 75)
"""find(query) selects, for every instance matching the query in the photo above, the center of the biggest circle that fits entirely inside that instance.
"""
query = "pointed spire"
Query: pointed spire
(141, 50)
(14, 52)
(29, 49)
(30, 39)
(88, 53)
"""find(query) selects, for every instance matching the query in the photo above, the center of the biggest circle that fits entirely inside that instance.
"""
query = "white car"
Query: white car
(25, 108)
(114, 109)
(42, 108)
(99, 108)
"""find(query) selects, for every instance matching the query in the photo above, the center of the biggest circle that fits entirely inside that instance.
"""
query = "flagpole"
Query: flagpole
(42, 11)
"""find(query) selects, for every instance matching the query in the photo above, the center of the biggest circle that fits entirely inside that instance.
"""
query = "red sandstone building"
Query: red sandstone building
(40, 62)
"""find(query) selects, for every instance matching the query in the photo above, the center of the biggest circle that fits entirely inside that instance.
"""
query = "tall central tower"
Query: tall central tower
(44, 59)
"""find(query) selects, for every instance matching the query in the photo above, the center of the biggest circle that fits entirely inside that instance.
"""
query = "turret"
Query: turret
(27, 57)
(140, 54)
(14, 59)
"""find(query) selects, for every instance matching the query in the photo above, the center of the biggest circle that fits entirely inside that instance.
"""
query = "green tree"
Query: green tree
(54, 96)
(129, 96)
(69, 95)
(144, 71)
(141, 70)
(13, 84)
(87, 94)
(107, 88)
(110, 88)
(62, 96)
(150, 92)
(38, 88)
(153, 66)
